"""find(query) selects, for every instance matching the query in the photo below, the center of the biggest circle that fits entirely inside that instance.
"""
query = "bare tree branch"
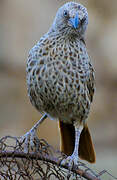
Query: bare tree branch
(43, 163)
(51, 159)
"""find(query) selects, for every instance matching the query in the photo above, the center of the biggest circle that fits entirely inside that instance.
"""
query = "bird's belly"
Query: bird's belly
(60, 94)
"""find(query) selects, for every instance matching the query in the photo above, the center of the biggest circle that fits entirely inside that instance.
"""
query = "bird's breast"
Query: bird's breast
(56, 80)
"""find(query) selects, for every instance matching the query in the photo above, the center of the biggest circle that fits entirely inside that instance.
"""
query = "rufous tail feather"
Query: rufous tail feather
(86, 148)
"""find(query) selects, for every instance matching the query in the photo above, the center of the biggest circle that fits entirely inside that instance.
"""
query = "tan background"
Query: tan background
(22, 23)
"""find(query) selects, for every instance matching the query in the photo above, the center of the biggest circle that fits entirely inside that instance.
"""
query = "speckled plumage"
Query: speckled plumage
(60, 76)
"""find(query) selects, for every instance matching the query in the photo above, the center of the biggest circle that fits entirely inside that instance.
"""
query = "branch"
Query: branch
(41, 163)
(47, 158)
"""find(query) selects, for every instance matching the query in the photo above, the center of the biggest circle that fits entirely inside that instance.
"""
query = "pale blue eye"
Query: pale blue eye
(65, 13)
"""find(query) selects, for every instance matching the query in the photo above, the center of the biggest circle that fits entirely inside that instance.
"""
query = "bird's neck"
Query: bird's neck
(64, 35)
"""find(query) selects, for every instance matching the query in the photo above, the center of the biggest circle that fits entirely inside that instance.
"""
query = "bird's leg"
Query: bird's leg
(73, 159)
(31, 135)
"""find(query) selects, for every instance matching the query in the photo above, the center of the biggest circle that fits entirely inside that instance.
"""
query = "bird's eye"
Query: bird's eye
(82, 20)
(65, 13)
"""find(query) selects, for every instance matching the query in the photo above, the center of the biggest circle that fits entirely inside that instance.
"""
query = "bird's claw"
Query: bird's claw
(30, 140)
(70, 161)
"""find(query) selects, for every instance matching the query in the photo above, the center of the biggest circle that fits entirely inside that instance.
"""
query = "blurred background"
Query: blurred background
(22, 23)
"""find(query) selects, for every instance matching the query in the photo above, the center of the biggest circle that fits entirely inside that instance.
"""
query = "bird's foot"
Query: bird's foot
(30, 140)
(70, 161)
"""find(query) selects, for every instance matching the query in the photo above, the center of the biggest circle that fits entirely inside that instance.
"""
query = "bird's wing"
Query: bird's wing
(91, 83)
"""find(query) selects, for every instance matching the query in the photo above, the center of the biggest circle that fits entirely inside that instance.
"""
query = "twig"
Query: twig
(39, 163)
(48, 158)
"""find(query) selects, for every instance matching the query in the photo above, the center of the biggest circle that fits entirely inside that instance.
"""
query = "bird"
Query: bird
(61, 81)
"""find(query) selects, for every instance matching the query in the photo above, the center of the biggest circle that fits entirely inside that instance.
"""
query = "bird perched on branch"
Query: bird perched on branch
(60, 81)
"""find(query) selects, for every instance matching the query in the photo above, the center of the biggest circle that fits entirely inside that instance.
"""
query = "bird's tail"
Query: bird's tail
(86, 148)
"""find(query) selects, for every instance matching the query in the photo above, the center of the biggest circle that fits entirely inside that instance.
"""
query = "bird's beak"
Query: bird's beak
(74, 21)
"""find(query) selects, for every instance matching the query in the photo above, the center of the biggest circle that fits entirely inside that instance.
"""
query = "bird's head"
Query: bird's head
(71, 19)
